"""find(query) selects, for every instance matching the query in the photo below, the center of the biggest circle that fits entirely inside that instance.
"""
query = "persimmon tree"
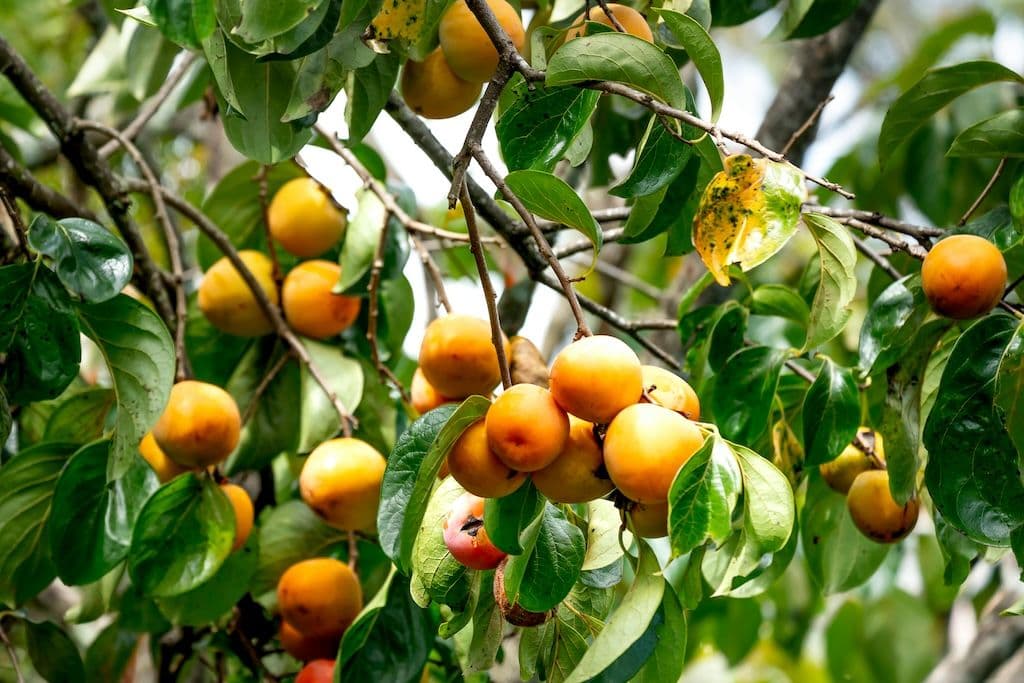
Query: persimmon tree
(773, 407)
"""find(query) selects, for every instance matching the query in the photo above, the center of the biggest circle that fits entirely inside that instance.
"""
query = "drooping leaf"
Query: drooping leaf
(311, 34)
(436, 575)
(89, 259)
(185, 22)
(344, 376)
(830, 309)
(831, 413)
(997, 137)
(263, 19)
(507, 519)
(703, 496)
(361, 239)
(744, 391)
(604, 522)
(549, 565)
(215, 597)
(736, 12)
(53, 654)
(702, 51)
(368, 89)
(891, 322)
(660, 158)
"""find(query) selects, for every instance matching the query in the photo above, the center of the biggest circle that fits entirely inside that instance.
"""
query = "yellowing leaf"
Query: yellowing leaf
(747, 213)
(401, 20)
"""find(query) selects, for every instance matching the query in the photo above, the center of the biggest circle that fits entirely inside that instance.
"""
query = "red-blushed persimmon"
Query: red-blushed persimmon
(319, 597)
(458, 358)
(465, 536)
(304, 220)
(671, 391)
(310, 305)
(165, 468)
(473, 464)
(874, 511)
(200, 425)
(644, 448)
(241, 504)
(305, 648)
(466, 45)
(596, 377)
(963, 276)
(227, 301)
(577, 475)
(341, 480)
(840, 473)
(650, 520)
(526, 429)
(423, 394)
(434, 91)
(317, 671)
(629, 19)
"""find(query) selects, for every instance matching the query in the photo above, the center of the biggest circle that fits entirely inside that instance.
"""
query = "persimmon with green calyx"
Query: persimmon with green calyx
(473, 464)
(631, 21)
(671, 391)
(874, 511)
(424, 397)
(465, 536)
(306, 648)
(840, 473)
(466, 45)
(200, 425)
(578, 474)
(310, 305)
(241, 504)
(596, 377)
(526, 429)
(963, 276)
(303, 218)
(317, 671)
(319, 597)
(645, 446)
(434, 91)
(227, 301)
(650, 520)
(458, 358)
(165, 468)
(340, 481)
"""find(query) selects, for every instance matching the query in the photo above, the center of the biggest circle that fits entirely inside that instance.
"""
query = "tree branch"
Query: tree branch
(22, 184)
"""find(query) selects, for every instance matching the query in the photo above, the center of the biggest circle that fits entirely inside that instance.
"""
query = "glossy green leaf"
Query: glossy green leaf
(736, 12)
(185, 22)
(660, 158)
(703, 53)
(780, 301)
(81, 417)
(934, 91)
(368, 89)
(139, 354)
(744, 391)
(89, 259)
(769, 509)
(53, 654)
(488, 628)
(262, 19)
(290, 533)
(344, 375)
(703, 496)
(507, 519)
(831, 413)
(604, 522)
(361, 239)
(972, 463)
(997, 137)
(891, 322)
(1010, 388)
(550, 564)
(726, 334)
(806, 18)
(215, 50)
(182, 537)
(215, 597)
(830, 309)
(664, 663)
(436, 575)
(309, 35)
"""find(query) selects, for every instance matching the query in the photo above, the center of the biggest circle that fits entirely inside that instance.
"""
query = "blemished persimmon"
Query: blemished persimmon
(644, 448)
(466, 45)
(241, 503)
(650, 520)
(423, 394)
(840, 473)
(200, 425)
(310, 305)
(465, 536)
(577, 475)
(317, 671)
(526, 429)
(434, 91)
(165, 468)
(340, 481)
(319, 597)
(874, 511)
(304, 220)
(228, 303)
(458, 358)
(963, 276)
(629, 19)
(512, 612)
(596, 377)
(671, 391)
(473, 464)
(306, 648)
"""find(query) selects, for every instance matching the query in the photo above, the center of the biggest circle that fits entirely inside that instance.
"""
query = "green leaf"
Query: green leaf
(411, 473)
(744, 391)
(390, 639)
(780, 301)
(6, 421)
(436, 575)
(736, 12)
(39, 333)
(537, 127)
(891, 322)
(806, 18)
(361, 239)
(81, 417)
(89, 259)
(27, 483)
(619, 57)
(831, 413)
(769, 510)
(263, 19)
(290, 533)
(53, 654)
(185, 22)
(91, 522)
(507, 519)
(839, 557)
(485, 637)
(972, 463)
(703, 496)
(997, 137)
(139, 354)
(664, 663)
(320, 420)
(604, 521)
(182, 537)
(215, 50)
(726, 333)
(549, 565)
(1010, 388)
(660, 158)
(551, 197)
(312, 33)
(368, 89)
(830, 309)
(938, 88)
(214, 598)
(107, 657)
(702, 51)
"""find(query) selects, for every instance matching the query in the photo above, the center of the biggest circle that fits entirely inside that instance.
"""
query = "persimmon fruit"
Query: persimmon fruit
(303, 218)
(671, 391)
(629, 19)
(305, 648)
(650, 520)
(227, 301)
(423, 394)
(319, 597)
(434, 91)
(465, 536)
(340, 481)
(244, 512)
(578, 474)
(458, 358)
(310, 305)
(874, 511)
(165, 468)
(200, 425)
(526, 429)
(596, 377)
(466, 45)
(473, 464)
(840, 473)
(963, 276)
(317, 671)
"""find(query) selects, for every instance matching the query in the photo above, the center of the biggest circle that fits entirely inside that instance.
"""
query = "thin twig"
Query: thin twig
(876, 258)
(806, 125)
(608, 236)
(984, 193)
(610, 13)
(626, 278)
(20, 231)
(915, 250)
(374, 313)
(490, 298)
(918, 232)
(430, 266)
(264, 198)
(264, 384)
(12, 654)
